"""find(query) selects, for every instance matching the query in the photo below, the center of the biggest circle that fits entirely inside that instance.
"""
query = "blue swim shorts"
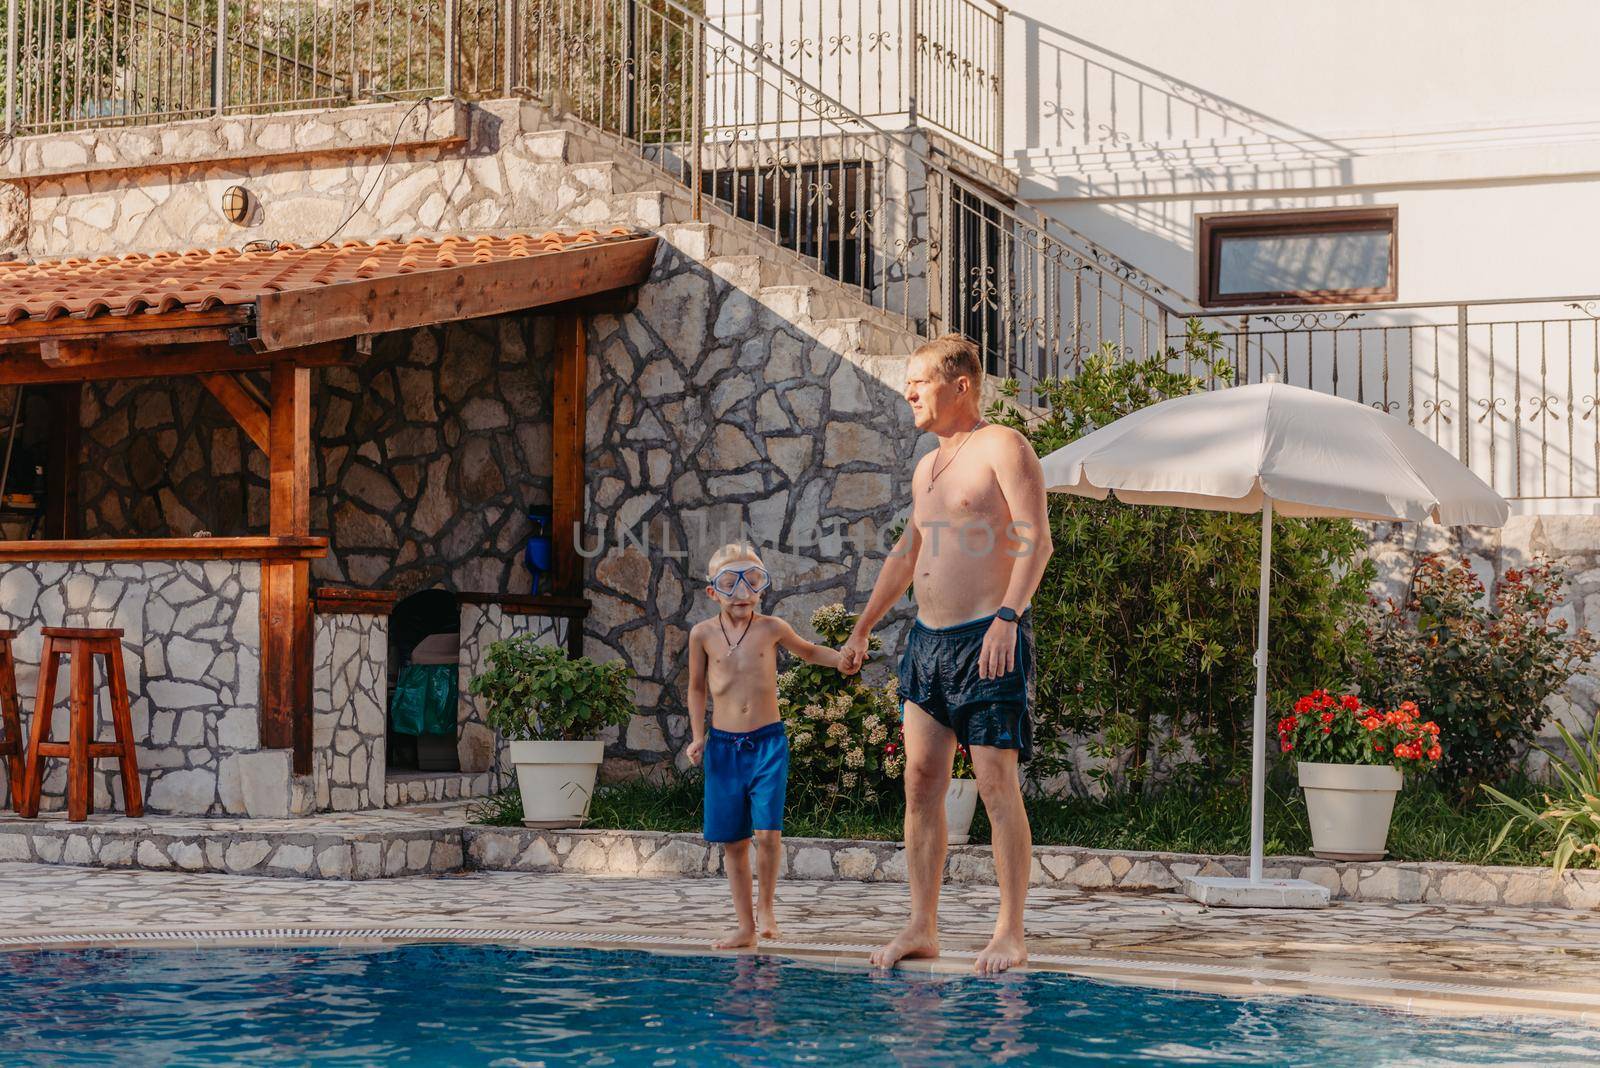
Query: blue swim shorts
(939, 674)
(747, 775)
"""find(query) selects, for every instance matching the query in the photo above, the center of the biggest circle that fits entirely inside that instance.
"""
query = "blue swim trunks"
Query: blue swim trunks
(939, 674)
(747, 775)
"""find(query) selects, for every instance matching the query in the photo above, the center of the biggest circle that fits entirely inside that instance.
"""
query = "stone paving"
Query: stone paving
(1516, 959)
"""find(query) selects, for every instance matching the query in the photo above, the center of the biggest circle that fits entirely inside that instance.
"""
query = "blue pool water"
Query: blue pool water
(445, 1004)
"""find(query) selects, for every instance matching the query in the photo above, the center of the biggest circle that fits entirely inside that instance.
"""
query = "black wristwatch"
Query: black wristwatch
(1007, 614)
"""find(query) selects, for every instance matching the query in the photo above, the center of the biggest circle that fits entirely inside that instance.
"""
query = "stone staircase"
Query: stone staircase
(628, 190)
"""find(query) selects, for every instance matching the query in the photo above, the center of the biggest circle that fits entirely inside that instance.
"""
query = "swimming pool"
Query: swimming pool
(499, 1005)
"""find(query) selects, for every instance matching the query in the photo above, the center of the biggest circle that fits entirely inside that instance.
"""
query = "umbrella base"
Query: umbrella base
(1221, 892)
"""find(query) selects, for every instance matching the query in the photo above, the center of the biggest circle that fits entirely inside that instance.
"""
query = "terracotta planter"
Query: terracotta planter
(960, 805)
(556, 780)
(1349, 806)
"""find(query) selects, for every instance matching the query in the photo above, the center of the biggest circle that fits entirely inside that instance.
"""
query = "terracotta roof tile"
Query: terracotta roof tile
(202, 279)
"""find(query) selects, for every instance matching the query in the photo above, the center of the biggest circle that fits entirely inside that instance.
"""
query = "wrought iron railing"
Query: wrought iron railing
(1509, 387)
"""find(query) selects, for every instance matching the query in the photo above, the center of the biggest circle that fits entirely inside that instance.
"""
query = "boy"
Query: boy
(734, 656)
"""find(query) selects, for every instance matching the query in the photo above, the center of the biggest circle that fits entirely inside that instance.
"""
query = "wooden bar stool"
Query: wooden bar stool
(81, 645)
(12, 747)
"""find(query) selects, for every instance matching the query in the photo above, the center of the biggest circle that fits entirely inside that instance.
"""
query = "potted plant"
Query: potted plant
(1351, 760)
(549, 707)
(961, 799)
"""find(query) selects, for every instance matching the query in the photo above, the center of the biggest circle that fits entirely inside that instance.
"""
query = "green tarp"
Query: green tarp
(424, 700)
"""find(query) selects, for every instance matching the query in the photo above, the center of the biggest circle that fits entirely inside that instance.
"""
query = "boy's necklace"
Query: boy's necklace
(732, 645)
(937, 470)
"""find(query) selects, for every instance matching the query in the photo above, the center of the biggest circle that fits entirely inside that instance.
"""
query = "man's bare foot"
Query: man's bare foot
(1002, 953)
(738, 938)
(913, 943)
(767, 924)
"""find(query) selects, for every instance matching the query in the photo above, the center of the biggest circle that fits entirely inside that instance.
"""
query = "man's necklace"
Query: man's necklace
(937, 470)
(732, 645)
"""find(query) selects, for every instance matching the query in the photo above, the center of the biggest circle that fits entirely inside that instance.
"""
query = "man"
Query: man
(975, 548)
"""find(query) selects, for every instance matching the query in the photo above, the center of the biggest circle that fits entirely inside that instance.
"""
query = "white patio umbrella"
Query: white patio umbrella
(1272, 448)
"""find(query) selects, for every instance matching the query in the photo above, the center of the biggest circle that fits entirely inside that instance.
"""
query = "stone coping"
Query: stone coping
(439, 840)
(358, 128)
(1233, 979)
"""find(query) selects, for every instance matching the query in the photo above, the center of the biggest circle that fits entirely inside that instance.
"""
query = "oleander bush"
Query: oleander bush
(1482, 668)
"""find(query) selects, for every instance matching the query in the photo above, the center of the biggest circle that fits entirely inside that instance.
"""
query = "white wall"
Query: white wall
(1481, 121)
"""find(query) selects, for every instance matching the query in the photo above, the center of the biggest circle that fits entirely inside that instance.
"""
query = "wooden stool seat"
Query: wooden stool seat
(83, 633)
(11, 744)
(80, 645)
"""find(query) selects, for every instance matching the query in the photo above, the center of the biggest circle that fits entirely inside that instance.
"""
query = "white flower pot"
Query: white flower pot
(556, 780)
(960, 804)
(1349, 806)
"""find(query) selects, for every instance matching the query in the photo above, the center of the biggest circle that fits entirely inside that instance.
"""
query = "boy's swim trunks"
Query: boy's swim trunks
(747, 775)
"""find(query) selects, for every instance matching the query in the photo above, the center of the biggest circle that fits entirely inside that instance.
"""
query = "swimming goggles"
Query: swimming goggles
(727, 580)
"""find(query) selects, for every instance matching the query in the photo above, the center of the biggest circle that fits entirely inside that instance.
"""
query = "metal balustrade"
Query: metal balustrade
(798, 122)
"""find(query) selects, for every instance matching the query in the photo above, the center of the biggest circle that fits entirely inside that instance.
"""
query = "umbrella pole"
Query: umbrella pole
(1258, 737)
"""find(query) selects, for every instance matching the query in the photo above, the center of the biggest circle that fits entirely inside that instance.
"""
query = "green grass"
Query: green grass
(1212, 819)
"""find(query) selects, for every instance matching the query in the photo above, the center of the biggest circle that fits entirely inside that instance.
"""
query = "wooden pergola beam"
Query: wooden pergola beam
(86, 361)
(567, 432)
(297, 317)
(286, 584)
(138, 328)
(253, 419)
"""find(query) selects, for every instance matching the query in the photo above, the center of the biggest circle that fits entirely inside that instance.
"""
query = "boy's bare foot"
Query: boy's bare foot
(915, 943)
(738, 938)
(767, 924)
(1002, 953)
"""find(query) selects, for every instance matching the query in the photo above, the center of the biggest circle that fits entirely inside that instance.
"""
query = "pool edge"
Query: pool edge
(1232, 979)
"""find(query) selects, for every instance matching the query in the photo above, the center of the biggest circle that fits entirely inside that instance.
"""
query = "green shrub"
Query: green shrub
(535, 692)
(1482, 671)
(1568, 817)
(1145, 619)
(844, 734)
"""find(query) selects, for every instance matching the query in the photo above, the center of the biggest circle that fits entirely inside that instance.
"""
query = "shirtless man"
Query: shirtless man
(975, 549)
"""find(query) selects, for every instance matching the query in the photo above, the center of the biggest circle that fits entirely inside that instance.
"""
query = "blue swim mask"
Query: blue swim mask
(754, 578)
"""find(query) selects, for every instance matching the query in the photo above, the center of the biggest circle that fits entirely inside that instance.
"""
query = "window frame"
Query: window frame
(1295, 222)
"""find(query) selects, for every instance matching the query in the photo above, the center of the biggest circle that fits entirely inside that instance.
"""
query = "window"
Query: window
(1332, 256)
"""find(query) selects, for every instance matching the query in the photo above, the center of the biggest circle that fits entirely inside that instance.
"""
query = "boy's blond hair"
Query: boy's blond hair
(951, 356)
(734, 550)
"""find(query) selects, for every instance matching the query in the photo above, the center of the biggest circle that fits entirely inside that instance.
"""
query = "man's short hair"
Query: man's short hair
(953, 355)
(736, 550)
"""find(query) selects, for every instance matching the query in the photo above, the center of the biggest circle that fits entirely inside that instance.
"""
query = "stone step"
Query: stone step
(348, 845)
(430, 787)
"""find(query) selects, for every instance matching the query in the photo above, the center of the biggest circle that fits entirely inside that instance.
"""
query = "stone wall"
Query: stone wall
(478, 748)
(711, 411)
(190, 646)
(350, 709)
(429, 455)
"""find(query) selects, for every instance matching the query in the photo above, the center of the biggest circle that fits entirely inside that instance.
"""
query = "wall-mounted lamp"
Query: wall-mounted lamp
(236, 204)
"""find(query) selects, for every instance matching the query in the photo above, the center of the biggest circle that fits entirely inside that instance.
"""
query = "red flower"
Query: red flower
(1372, 723)
(1351, 702)
(1377, 747)
(1431, 727)
(1434, 753)
(1327, 717)
(1303, 705)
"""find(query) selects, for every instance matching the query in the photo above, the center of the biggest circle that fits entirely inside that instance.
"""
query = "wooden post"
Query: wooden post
(571, 392)
(286, 584)
(61, 511)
